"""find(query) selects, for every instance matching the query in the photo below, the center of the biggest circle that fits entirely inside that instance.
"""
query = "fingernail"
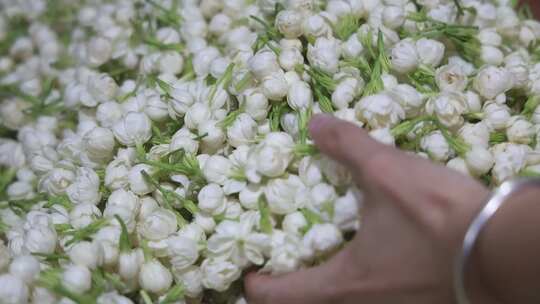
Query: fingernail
(318, 122)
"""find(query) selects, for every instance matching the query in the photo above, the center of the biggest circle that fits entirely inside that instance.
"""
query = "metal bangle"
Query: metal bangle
(495, 201)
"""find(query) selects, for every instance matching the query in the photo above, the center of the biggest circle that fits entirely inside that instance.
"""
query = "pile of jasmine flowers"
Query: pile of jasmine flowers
(153, 151)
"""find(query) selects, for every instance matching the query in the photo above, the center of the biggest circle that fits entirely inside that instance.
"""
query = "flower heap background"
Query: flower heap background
(152, 151)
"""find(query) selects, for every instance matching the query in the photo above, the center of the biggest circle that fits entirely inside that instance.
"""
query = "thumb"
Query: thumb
(310, 285)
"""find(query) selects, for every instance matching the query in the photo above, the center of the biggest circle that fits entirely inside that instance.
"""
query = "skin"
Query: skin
(414, 217)
(535, 6)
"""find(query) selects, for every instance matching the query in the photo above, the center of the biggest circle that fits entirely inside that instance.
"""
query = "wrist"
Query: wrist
(504, 265)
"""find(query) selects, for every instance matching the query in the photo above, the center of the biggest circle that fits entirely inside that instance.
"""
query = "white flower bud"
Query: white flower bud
(510, 159)
(460, 165)
(180, 102)
(430, 52)
(85, 187)
(116, 175)
(322, 239)
(99, 51)
(272, 156)
(202, 59)
(77, 279)
(83, 214)
(219, 24)
(289, 23)
(25, 267)
(242, 131)
(256, 104)
(154, 277)
(479, 160)
(183, 139)
(134, 128)
(155, 108)
(379, 111)
(212, 199)
(324, 54)
(299, 96)
(448, 107)
(137, 182)
(99, 144)
(496, 116)
(13, 290)
(12, 113)
(309, 171)
(108, 113)
(196, 115)
(519, 130)
(219, 275)
(346, 91)
(451, 78)
(171, 63)
(409, 98)
(129, 263)
(281, 194)
(491, 55)
(489, 36)
(102, 87)
(263, 64)
(492, 81)
(113, 297)
(316, 26)
(289, 58)
(346, 212)
(475, 134)
(206, 222)
(393, 16)
(41, 239)
(352, 48)
(88, 254)
(216, 169)
(293, 223)
(404, 57)
(158, 225)
(183, 252)
(436, 146)
(274, 86)
(249, 196)
(20, 190)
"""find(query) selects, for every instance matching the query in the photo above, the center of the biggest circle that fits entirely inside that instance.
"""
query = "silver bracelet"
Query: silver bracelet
(495, 201)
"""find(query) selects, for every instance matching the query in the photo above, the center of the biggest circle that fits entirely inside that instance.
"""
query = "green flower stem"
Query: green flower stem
(145, 297)
(224, 81)
(265, 221)
(530, 106)
(497, 138)
(312, 218)
(248, 77)
(408, 126)
(302, 150)
(455, 143)
(124, 242)
(85, 233)
(175, 294)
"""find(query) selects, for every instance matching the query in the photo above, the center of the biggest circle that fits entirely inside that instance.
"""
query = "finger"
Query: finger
(345, 142)
(311, 285)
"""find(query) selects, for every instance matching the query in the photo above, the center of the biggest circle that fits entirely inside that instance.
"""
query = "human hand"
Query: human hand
(414, 217)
